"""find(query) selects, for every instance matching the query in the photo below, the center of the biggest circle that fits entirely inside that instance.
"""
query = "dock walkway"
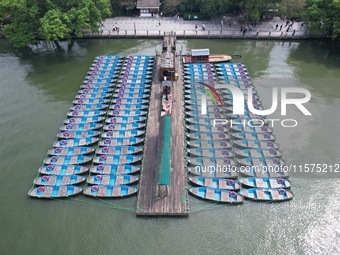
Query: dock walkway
(154, 199)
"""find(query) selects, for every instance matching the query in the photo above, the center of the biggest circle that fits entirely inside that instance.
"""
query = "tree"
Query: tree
(292, 8)
(324, 15)
(34, 20)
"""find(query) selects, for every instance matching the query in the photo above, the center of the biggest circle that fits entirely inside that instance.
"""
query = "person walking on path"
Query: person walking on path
(159, 22)
(196, 27)
(281, 27)
(277, 25)
(241, 28)
(244, 31)
(230, 23)
(234, 23)
(117, 28)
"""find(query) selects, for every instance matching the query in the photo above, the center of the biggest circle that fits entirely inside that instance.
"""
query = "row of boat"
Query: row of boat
(97, 117)
(121, 141)
(216, 153)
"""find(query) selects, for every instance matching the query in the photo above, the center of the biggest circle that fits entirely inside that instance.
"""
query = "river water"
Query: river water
(36, 90)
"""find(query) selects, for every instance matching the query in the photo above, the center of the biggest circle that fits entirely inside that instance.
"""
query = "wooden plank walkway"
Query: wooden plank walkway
(154, 200)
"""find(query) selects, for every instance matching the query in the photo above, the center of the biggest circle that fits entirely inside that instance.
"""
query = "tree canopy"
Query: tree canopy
(51, 20)
(324, 15)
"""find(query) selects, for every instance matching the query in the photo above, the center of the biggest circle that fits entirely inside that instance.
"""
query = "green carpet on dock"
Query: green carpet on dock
(164, 178)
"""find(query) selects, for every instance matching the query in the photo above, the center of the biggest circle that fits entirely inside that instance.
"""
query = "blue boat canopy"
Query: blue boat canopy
(200, 52)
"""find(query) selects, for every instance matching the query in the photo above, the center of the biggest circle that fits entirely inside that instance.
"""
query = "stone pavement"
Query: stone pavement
(154, 27)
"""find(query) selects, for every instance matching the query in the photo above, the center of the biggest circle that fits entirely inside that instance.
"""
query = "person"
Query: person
(241, 28)
(234, 23)
(114, 27)
(244, 31)
(287, 29)
(230, 23)
(203, 26)
(159, 22)
(277, 25)
(196, 27)
(117, 28)
(281, 27)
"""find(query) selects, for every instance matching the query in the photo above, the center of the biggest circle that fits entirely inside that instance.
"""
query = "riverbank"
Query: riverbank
(224, 28)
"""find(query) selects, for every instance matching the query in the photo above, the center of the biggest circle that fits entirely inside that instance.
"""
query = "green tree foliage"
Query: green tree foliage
(292, 8)
(51, 20)
(324, 15)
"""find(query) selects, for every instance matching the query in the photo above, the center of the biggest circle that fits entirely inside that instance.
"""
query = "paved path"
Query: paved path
(154, 27)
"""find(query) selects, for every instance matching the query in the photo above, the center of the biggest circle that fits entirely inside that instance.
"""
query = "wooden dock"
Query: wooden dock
(172, 200)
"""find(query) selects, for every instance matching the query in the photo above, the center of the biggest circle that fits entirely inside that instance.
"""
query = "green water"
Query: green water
(36, 90)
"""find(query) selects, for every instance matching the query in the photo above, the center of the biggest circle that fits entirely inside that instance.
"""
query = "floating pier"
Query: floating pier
(163, 193)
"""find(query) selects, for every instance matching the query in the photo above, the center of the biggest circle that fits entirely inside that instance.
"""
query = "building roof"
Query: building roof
(147, 4)
(200, 52)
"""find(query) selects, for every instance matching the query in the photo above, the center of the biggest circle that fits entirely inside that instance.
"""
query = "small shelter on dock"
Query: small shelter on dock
(167, 68)
(148, 8)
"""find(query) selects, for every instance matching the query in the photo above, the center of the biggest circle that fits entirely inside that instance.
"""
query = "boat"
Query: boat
(78, 134)
(259, 153)
(204, 128)
(121, 141)
(70, 151)
(125, 126)
(91, 101)
(122, 133)
(81, 127)
(75, 142)
(210, 108)
(214, 136)
(114, 169)
(267, 195)
(85, 113)
(133, 101)
(58, 180)
(125, 119)
(129, 107)
(200, 121)
(225, 72)
(116, 159)
(83, 120)
(244, 128)
(216, 183)
(266, 183)
(98, 81)
(97, 85)
(137, 76)
(203, 56)
(217, 195)
(62, 169)
(209, 144)
(262, 162)
(253, 136)
(229, 96)
(88, 107)
(128, 113)
(210, 152)
(67, 160)
(137, 81)
(223, 162)
(54, 191)
(265, 172)
(112, 179)
(254, 144)
(210, 114)
(93, 96)
(109, 191)
(133, 86)
(125, 95)
(133, 90)
(95, 90)
(119, 150)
